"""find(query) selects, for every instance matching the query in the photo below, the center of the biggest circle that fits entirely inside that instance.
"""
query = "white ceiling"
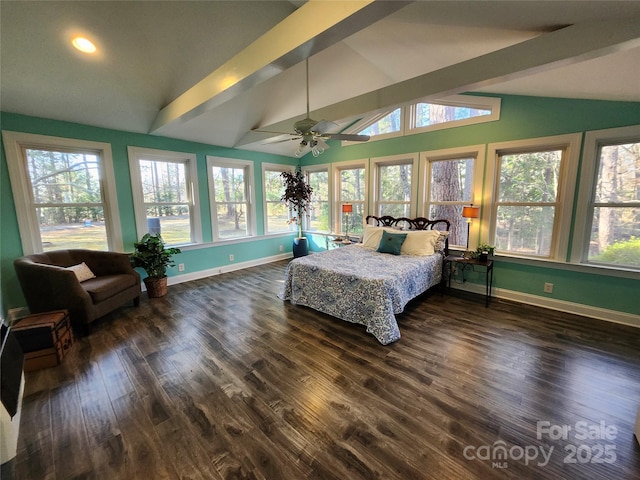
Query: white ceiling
(157, 60)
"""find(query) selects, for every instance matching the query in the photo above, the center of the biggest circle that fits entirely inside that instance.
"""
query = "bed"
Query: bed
(362, 284)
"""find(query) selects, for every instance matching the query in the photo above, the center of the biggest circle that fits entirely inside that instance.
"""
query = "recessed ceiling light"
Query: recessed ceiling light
(84, 45)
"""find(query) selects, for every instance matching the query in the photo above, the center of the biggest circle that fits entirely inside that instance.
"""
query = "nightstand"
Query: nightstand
(336, 240)
(472, 263)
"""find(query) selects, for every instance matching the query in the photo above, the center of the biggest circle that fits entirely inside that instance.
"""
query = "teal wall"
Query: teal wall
(521, 118)
(195, 260)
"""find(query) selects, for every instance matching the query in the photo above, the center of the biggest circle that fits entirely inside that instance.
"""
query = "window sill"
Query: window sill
(573, 267)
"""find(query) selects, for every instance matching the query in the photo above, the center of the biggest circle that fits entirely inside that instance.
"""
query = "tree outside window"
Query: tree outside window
(450, 189)
(389, 123)
(394, 189)
(165, 193)
(276, 212)
(166, 199)
(231, 208)
(352, 189)
(527, 202)
(615, 227)
(318, 214)
(67, 198)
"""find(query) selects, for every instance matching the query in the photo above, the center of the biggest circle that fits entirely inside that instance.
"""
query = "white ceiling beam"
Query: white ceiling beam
(562, 47)
(313, 27)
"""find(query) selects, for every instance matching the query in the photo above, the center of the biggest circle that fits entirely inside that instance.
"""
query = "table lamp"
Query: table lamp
(469, 213)
(347, 208)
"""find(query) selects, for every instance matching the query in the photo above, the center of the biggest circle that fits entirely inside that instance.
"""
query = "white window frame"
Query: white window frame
(274, 167)
(15, 144)
(247, 166)
(191, 171)
(393, 160)
(336, 169)
(593, 141)
(477, 152)
(325, 167)
(566, 187)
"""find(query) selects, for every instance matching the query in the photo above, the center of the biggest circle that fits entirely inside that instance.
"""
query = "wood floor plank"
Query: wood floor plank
(146, 455)
(69, 433)
(221, 379)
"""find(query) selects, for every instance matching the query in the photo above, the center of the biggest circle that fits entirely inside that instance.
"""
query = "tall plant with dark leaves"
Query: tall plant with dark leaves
(297, 195)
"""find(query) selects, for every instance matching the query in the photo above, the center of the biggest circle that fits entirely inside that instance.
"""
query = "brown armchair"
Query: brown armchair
(48, 285)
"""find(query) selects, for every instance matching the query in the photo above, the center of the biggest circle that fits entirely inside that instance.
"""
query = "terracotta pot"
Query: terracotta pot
(156, 287)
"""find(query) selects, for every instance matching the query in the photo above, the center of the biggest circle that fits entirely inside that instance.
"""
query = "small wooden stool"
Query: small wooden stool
(45, 338)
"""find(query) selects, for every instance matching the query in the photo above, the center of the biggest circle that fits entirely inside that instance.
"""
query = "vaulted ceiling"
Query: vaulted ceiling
(211, 71)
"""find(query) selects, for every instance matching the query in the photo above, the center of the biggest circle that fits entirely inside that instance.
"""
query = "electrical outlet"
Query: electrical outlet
(281, 248)
(231, 257)
(181, 267)
(548, 288)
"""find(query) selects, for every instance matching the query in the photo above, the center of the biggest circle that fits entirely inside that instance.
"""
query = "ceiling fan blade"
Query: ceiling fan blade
(322, 127)
(348, 136)
(277, 140)
(271, 131)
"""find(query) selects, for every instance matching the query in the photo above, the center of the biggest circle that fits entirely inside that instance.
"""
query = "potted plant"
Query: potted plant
(484, 250)
(297, 196)
(152, 255)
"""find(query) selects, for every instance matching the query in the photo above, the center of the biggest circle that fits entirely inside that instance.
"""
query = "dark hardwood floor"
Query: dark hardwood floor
(222, 380)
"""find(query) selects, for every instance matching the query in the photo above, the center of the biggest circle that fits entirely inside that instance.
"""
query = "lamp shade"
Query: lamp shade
(471, 212)
(347, 208)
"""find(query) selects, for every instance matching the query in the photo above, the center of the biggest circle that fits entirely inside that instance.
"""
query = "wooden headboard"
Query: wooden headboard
(418, 223)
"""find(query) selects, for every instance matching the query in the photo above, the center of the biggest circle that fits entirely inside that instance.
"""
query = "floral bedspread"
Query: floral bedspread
(360, 285)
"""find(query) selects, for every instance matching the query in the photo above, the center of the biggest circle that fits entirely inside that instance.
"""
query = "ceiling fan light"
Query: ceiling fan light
(322, 144)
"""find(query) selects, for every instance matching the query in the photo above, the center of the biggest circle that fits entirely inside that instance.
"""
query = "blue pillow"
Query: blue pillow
(391, 243)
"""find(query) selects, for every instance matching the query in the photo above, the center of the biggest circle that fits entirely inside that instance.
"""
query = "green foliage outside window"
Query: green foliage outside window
(625, 253)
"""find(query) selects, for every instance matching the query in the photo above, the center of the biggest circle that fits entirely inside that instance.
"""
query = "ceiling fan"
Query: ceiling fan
(312, 133)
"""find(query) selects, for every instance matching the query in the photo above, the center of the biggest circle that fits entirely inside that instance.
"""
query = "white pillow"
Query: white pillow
(371, 236)
(423, 242)
(420, 242)
(82, 272)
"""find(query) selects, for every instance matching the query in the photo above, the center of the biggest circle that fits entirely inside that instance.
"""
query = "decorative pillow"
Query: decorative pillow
(439, 243)
(371, 236)
(82, 272)
(420, 242)
(391, 243)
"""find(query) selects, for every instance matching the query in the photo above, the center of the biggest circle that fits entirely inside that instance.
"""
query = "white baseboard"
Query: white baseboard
(187, 277)
(554, 304)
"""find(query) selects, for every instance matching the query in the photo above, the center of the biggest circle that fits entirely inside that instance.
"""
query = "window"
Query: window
(164, 192)
(533, 196)
(276, 214)
(230, 191)
(609, 200)
(425, 115)
(394, 185)
(386, 124)
(318, 215)
(453, 179)
(64, 192)
(351, 181)
(452, 111)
